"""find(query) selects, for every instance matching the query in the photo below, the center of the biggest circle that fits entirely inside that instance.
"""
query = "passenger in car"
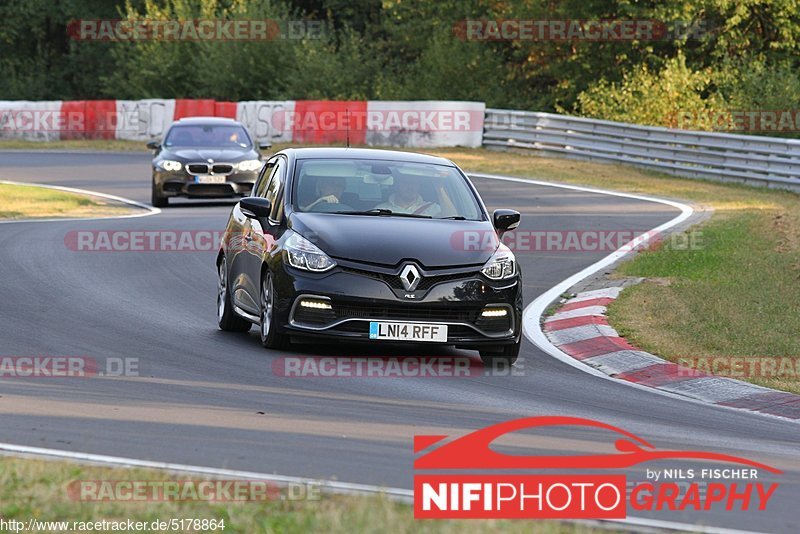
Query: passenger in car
(406, 198)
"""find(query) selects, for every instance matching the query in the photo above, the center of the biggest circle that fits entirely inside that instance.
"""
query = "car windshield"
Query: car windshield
(208, 135)
(384, 188)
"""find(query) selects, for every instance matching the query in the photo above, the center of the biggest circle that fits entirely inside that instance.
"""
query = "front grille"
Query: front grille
(402, 312)
(427, 282)
(197, 168)
(211, 190)
(222, 169)
(217, 168)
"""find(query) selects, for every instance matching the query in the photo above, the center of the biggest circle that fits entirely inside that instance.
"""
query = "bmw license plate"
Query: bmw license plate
(408, 331)
(209, 179)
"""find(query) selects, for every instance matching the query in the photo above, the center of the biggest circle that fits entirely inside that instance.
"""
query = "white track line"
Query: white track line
(531, 317)
(330, 486)
(150, 210)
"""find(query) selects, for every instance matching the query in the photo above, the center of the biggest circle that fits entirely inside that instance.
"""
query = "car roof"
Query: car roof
(206, 120)
(364, 153)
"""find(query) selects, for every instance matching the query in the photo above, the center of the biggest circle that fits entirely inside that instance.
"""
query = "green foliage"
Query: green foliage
(742, 54)
(228, 70)
(450, 69)
(38, 60)
(750, 83)
(346, 68)
(657, 98)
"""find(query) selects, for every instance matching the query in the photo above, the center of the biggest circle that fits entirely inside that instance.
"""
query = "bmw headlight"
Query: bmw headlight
(249, 165)
(303, 254)
(170, 165)
(501, 265)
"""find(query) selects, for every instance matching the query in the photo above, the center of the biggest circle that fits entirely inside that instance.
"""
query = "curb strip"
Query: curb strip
(580, 329)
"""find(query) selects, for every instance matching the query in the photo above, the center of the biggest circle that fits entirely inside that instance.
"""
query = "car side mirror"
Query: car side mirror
(265, 145)
(153, 145)
(505, 220)
(255, 207)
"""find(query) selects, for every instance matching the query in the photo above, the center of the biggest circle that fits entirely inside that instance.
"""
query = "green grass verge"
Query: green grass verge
(38, 489)
(24, 201)
(73, 144)
(730, 306)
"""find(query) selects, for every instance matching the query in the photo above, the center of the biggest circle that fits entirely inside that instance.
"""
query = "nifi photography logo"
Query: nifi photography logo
(446, 495)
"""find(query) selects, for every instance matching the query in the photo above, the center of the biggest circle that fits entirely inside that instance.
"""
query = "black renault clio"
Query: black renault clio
(374, 246)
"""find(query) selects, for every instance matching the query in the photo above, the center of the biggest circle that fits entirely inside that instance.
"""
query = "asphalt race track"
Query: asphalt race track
(210, 398)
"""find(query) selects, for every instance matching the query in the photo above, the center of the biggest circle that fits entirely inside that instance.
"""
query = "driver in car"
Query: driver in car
(406, 199)
(329, 190)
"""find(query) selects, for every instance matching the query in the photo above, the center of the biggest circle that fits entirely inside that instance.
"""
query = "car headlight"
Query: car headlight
(170, 165)
(501, 265)
(249, 165)
(303, 254)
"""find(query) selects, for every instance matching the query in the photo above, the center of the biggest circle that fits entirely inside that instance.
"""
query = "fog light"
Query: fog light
(494, 312)
(316, 304)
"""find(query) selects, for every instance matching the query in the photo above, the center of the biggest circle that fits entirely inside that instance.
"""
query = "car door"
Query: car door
(258, 240)
(240, 258)
(263, 238)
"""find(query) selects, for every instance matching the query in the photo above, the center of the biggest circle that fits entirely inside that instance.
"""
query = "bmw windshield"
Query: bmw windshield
(384, 188)
(208, 135)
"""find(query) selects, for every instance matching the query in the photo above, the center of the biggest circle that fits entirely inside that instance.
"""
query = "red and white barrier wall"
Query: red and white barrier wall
(387, 123)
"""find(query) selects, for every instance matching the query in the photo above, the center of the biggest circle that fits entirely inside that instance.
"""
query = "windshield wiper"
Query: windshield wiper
(454, 218)
(384, 212)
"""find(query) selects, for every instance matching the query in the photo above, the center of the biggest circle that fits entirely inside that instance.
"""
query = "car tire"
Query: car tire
(226, 317)
(504, 358)
(157, 199)
(268, 330)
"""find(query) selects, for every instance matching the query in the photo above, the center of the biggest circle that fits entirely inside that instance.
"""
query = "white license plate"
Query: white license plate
(408, 331)
(209, 179)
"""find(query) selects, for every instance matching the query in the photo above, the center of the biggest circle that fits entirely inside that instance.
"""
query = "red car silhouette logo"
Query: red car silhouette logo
(473, 451)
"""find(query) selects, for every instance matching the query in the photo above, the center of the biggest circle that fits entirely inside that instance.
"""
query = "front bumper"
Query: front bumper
(356, 297)
(182, 184)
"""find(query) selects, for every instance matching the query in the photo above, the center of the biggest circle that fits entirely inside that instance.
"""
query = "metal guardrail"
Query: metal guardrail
(763, 161)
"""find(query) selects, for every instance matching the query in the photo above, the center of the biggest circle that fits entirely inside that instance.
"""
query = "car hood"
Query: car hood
(204, 154)
(390, 240)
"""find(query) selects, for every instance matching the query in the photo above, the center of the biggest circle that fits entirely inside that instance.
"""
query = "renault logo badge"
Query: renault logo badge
(410, 277)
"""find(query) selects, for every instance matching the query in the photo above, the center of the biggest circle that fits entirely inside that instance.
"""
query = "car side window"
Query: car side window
(274, 189)
(263, 180)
